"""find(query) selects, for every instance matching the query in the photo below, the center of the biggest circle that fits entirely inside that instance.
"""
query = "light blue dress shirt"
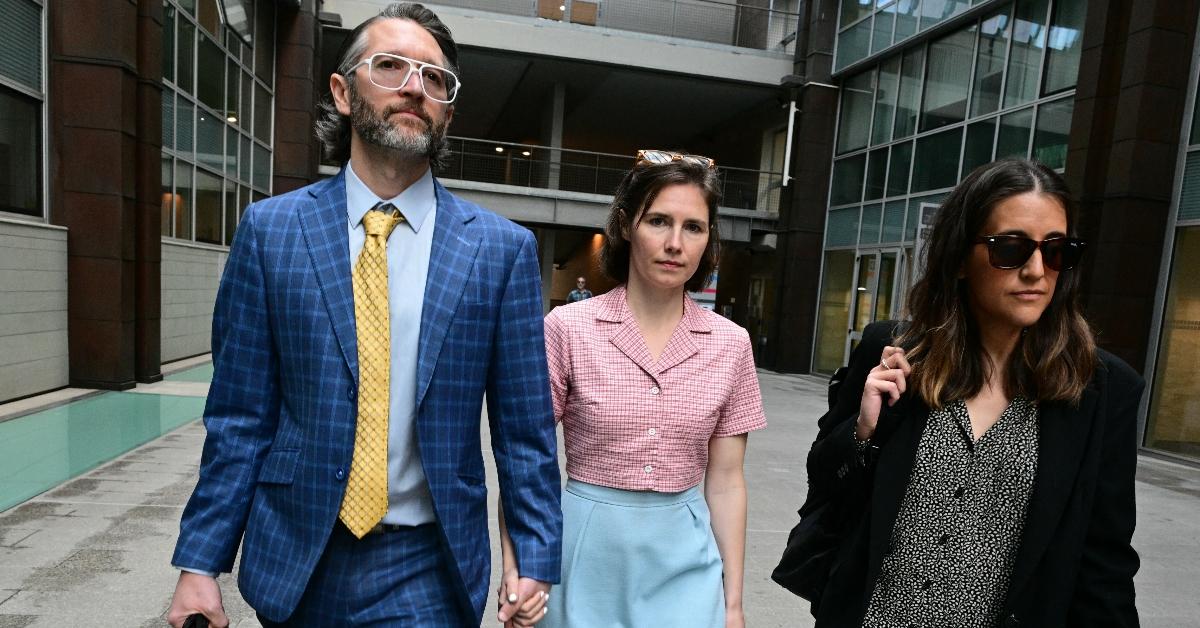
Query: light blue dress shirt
(408, 247)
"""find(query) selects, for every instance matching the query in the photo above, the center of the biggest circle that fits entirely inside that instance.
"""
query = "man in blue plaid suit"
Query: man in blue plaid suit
(465, 318)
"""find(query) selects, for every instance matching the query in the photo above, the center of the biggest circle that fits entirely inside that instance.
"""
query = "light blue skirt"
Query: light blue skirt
(633, 559)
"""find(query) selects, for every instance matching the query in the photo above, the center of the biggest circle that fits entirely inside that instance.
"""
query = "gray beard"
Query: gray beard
(374, 129)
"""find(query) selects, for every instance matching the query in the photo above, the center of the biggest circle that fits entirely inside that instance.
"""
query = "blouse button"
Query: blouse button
(648, 469)
(654, 390)
(959, 493)
(651, 431)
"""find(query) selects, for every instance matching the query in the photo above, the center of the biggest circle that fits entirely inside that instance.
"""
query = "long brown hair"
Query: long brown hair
(1054, 359)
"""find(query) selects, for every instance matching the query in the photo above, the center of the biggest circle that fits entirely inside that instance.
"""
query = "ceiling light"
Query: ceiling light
(525, 153)
(499, 149)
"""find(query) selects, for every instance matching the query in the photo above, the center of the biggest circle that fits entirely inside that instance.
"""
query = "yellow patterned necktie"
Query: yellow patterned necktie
(366, 498)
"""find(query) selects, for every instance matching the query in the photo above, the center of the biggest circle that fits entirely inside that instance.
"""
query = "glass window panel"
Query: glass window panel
(183, 201)
(237, 16)
(1065, 42)
(855, 125)
(853, 44)
(231, 152)
(893, 222)
(168, 119)
(871, 216)
(210, 149)
(188, 5)
(989, 62)
(169, 200)
(231, 90)
(209, 194)
(1174, 418)
(882, 32)
(262, 168)
(168, 42)
(854, 10)
(264, 42)
(906, 19)
(185, 55)
(1024, 63)
(231, 211)
(876, 173)
(1189, 197)
(936, 163)
(185, 132)
(841, 227)
(897, 182)
(262, 113)
(833, 316)
(20, 154)
(910, 92)
(1053, 127)
(243, 200)
(885, 100)
(244, 120)
(934, 11)
(1013, 139)
(981, 137)
(1195, 134)
(847, 180)
(946, 80)
(210, 73)
(258, 196)
(209, 17)
(244, 162)
(21, 42)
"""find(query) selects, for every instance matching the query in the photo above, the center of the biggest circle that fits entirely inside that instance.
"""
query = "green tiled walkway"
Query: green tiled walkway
(41, 450)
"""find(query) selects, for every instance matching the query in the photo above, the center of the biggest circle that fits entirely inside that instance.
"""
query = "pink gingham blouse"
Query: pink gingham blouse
(635, 424)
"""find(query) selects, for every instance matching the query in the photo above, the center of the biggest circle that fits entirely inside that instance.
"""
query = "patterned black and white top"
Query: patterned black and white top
(959, 527)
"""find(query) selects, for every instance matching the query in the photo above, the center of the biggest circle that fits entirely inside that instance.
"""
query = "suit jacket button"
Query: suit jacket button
(350, 393)
(340, 474)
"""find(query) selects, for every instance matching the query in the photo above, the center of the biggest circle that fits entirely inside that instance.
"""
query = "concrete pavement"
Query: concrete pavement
(94, 551)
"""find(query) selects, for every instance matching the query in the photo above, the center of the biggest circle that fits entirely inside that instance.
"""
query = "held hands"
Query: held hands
(523, 601)
(197, 594)
(885, 382)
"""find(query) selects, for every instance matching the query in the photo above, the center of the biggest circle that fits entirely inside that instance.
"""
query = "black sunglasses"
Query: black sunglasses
(1012, 251)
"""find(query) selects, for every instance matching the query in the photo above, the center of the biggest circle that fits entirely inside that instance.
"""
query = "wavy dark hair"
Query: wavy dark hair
(636, 192)
(1054, 359)
(332, 128)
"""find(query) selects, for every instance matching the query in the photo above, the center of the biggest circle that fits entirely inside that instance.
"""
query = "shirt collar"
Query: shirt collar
(613, 307)
(415, 203)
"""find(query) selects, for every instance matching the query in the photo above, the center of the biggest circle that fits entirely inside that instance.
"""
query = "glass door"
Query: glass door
(878, 281)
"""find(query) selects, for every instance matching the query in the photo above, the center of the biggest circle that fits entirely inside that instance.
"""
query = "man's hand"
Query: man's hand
(522, 600)
(194, 594)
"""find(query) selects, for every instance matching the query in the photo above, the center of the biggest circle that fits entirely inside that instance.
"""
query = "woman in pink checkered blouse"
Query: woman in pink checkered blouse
(655, 395)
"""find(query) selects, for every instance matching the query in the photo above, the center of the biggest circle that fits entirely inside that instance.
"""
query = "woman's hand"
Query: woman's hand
(522, 601)
(885, 382)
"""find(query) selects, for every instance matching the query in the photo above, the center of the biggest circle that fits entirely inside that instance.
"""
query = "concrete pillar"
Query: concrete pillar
(94, 180)
(148, 228)
(552, 132)
(296, 155)
(1130, 104)
(801, 225)
(546, 255)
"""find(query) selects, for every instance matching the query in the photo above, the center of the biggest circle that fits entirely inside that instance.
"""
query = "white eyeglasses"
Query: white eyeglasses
(389, 71)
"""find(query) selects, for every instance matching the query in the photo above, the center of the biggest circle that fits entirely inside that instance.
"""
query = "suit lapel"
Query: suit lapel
(1063, 434)
(450, 262)
(326, 235)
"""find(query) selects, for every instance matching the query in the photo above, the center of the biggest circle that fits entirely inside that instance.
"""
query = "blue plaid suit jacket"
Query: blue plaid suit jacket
(281, 409)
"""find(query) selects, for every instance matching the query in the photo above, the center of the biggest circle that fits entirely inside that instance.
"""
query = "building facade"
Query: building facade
(133, 133)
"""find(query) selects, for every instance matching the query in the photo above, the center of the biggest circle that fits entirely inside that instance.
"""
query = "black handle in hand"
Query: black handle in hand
(196, 621)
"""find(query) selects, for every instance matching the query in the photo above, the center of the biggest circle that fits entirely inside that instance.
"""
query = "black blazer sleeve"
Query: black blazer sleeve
(1104, 593)
(833, 469)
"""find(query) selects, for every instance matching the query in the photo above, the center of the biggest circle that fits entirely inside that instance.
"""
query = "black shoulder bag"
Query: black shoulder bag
(814, 542)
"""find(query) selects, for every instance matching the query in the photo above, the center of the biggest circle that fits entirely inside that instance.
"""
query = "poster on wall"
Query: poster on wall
(924, 230)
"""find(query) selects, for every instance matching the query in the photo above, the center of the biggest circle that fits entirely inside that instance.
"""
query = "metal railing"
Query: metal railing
(591, 172)
(715, 21)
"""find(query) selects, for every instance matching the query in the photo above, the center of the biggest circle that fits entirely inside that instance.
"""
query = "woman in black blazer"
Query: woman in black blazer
(983, 453)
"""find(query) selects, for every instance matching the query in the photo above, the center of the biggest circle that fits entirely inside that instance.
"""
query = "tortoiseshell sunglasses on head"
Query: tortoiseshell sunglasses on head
(660, 157)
